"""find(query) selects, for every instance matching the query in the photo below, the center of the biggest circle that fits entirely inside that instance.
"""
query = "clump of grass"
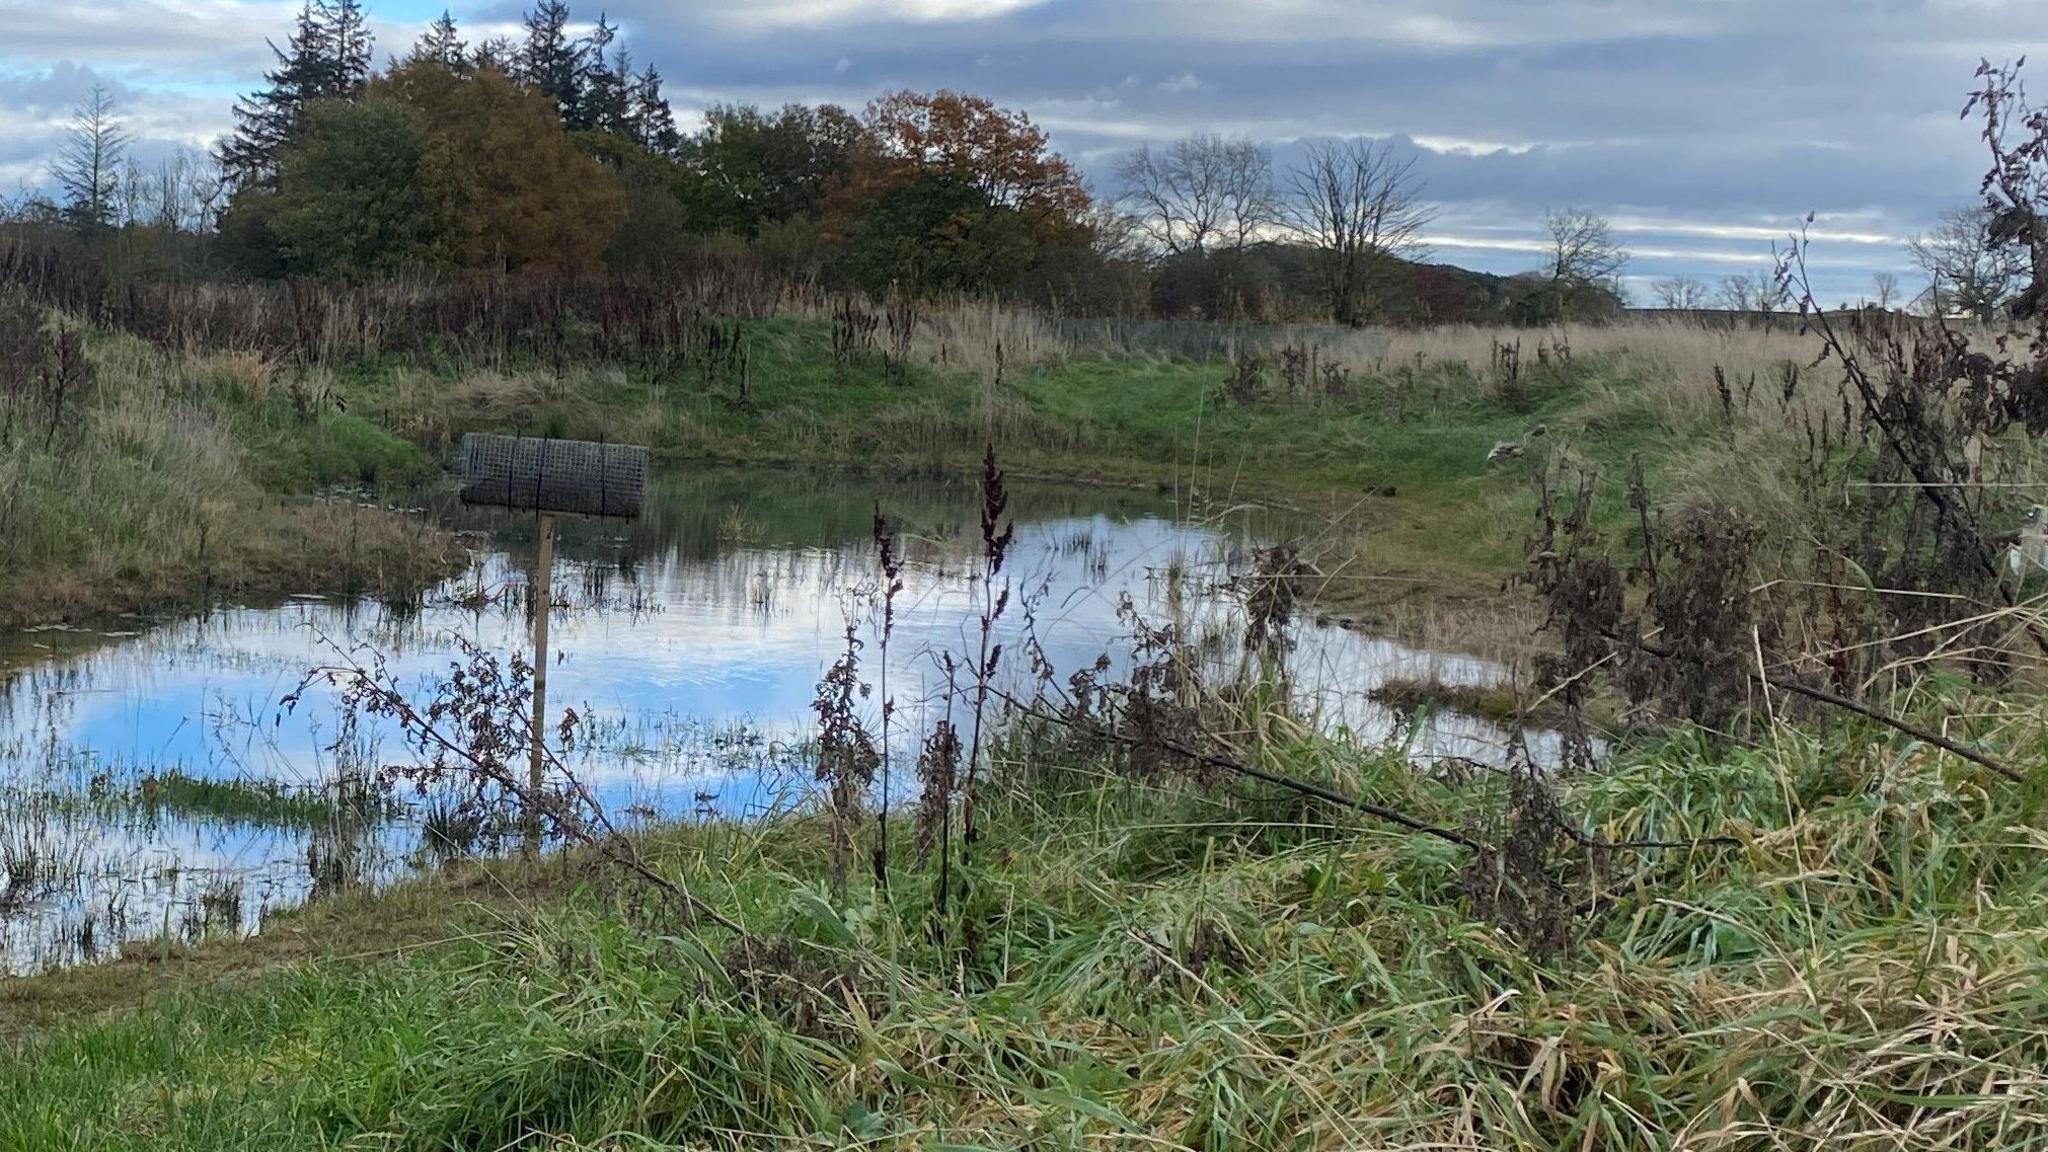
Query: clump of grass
(267, 803)
(217, 910)
(1496, 702)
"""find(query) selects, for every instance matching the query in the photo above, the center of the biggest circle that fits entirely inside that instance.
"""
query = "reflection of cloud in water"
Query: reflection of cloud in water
(696, 663)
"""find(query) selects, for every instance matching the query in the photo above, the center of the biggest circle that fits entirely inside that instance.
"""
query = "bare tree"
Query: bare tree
(180, 193)
(1682, 293)
(2016, 188)
(167, 207)
(1200, 193)
(1884, 290)
(1361, 205)
(1738, 293)
(208, 188)
(28, 206)
(1772, 293)
(1582, 263)
(1757, 291)
(1113, 233)
(1583, 252)
(1968, 270)
(88, 166)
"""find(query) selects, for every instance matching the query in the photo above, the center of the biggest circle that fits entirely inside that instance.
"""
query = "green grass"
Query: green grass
(1402, 457)
(188, 476)
(262, 802)
(1159, 966)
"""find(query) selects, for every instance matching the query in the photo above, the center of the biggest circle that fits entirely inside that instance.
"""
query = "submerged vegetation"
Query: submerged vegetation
(262, 802)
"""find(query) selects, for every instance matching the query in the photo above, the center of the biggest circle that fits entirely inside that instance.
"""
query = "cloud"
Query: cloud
(177, 39)
(36, 111)
(760, 16)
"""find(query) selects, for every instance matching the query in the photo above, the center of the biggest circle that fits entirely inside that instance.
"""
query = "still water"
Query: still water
(691, 642)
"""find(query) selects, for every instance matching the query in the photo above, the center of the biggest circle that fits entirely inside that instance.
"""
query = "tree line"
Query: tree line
(554, 153)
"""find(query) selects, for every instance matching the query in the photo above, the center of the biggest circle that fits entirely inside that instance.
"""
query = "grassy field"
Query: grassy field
(184, 478)
(1146, 965)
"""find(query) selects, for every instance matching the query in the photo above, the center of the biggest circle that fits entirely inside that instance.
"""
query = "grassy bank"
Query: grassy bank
(186, 475)
(1386, 436)
(167, 480)
(1148, 963)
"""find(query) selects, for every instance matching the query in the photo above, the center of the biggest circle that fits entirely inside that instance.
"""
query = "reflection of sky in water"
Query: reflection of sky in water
(675, 643)
(129, 879)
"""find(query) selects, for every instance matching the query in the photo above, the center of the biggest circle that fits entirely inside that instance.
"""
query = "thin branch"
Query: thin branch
(1823, 696)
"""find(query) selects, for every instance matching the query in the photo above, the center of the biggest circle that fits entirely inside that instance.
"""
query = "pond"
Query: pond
(152, 788)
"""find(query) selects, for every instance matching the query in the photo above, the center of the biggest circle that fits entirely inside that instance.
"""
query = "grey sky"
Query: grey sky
(1704, 128)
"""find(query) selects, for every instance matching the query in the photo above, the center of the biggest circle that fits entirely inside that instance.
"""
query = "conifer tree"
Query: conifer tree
(551, 60)
(328, 55)
(605, 102)
(496, 55)
(89, 167)
(441, 44)
(352, 45)
(653, 124)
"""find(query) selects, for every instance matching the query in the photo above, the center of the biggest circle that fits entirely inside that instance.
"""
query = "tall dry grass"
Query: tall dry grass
(163, 488)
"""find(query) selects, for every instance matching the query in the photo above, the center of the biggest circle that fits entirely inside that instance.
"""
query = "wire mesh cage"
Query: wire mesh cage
(578, 476)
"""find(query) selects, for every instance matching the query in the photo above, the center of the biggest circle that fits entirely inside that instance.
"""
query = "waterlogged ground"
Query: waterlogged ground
(152, 788)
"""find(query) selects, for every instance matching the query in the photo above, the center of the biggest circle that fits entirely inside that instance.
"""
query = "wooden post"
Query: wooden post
(544, 588)
(579, 477)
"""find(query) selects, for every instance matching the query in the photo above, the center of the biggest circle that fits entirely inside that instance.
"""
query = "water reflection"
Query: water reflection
(691, 642)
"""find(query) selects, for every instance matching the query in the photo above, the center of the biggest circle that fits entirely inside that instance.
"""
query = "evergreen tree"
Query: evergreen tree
(441, 45)
(496, 55)
(652, 123)
(606, 103)
(551, 60)
(352, 46)
(89, 166)
(328, 55)
(265, 121)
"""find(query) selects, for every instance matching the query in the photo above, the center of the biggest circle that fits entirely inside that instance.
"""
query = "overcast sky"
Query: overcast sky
(1703, 128)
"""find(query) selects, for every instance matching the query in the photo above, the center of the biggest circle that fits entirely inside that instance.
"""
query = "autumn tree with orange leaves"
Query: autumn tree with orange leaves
(949, 192)
(967, 138)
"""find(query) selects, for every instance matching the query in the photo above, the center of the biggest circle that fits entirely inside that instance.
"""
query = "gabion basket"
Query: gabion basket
(578, 476)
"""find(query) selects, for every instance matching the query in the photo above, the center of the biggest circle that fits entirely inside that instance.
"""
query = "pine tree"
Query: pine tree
(551, 61)
(88, 168)
(265, 121)
(652, 122)
(606, 101)
(442, 45)
(352, 44)
(328, 55)
(496, 55)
